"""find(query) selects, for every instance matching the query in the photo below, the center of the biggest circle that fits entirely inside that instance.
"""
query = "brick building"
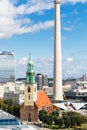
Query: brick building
(34, 100)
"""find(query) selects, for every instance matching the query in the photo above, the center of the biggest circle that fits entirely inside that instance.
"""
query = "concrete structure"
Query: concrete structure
(57, 55)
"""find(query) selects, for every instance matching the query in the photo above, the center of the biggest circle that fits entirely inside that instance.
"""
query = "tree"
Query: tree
(42, 115)
(71, 119)
(48, 119)
(59, 121)
(16, 110)
(9, 102)
(55, 113)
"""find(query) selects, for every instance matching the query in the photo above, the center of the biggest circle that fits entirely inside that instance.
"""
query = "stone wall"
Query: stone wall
(28, 113)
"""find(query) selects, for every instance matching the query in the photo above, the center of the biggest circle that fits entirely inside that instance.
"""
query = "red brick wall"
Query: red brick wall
(26, 110)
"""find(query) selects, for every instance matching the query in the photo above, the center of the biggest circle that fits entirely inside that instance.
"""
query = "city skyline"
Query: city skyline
(29, 26)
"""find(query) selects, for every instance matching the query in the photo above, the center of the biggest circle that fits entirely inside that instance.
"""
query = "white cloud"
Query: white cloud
(72, 66)
(12, 21)
(22, 61)
(69, 59)
(38, 5)
(35, 27)
(68, 28)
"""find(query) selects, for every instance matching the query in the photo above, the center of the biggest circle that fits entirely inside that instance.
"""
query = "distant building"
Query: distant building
(17, 97)
(42, 80)
(7, 67)
(84, 77)
(38, 79)
(76, 94)
(11, 87)
(34, 100)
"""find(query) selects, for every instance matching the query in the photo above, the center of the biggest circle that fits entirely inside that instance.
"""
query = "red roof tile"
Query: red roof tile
(42, 99)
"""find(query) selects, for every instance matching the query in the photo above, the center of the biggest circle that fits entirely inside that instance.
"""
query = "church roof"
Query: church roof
(42, 100)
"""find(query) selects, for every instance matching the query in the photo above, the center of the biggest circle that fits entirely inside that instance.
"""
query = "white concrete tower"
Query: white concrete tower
(58, 95)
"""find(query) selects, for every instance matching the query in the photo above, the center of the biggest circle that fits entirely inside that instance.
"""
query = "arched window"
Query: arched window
(35, 89)
(29, 117)
(29, 97)
(29, 89)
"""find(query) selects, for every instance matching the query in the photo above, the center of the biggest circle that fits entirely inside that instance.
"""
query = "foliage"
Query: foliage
(10, 107)
(68, 120)
(59, 121)
(48, 119)
(42, 115)
(84, 119)
(55, 114)
(72, 119)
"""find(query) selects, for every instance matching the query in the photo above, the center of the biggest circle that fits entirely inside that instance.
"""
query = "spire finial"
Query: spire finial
(30, 56)
(30, 74)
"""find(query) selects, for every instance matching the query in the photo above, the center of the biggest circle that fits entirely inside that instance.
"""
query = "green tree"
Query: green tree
(55, 113)
(59, 121)
(9, 102)
(16, 110)
(66, 119)
(42, 115)
(71, 119)
(48, 119)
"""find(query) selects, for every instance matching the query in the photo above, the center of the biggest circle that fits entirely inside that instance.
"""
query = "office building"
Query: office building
(7, 67)
(44, 80)
(38, 79)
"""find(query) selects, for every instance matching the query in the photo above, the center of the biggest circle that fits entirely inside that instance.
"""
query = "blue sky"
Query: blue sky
(28, 25)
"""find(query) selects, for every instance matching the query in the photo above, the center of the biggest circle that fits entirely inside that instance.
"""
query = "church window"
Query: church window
(35, 89)
(29, 89)
(29, 97)
(29, 117)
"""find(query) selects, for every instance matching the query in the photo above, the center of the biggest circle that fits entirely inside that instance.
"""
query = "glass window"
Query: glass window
(10, 122)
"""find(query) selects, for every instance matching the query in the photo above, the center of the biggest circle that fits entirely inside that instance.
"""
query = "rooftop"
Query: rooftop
(42, 99)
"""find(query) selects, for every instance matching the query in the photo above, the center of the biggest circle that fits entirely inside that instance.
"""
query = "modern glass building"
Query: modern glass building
(7, 67)
(10, 122)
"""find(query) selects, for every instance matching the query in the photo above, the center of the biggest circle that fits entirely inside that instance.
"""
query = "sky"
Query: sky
(28, 26)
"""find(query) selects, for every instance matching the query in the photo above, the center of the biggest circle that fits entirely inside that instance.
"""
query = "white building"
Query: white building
(11, 87)
(17, 97)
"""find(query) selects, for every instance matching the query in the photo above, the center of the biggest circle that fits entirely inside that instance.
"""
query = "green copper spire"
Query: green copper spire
(30, 74)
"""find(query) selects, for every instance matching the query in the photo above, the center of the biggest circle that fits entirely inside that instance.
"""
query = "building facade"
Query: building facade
(45, 80)
(34, 100)
(42, 80)
(7, 67)
(38, 79)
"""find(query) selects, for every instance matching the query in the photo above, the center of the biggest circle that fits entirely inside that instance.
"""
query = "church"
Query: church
(34, 100)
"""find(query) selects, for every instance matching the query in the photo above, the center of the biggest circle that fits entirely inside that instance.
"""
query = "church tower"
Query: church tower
(30, 86)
